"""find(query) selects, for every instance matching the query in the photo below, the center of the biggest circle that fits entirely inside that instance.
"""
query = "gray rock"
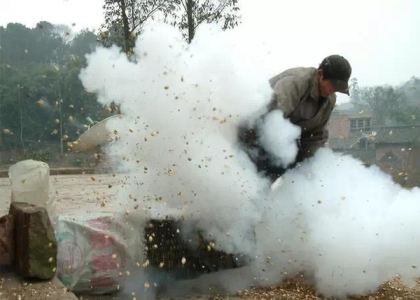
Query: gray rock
(36, 246)
(7, 243)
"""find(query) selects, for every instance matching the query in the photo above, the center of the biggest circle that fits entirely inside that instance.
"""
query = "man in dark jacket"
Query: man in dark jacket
(307, 97)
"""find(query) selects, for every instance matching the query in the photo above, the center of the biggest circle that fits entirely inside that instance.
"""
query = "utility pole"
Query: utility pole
(21, 117)
(60, 103)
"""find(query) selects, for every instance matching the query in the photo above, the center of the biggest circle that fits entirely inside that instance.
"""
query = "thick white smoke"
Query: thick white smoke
(278, 138)
(182, 107)
(348, 227)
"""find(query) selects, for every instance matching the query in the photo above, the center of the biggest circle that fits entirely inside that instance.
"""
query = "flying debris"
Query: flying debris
(319, 210)
(7, 131)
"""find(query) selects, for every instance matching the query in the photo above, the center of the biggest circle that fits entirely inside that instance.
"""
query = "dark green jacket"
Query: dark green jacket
(296, 93)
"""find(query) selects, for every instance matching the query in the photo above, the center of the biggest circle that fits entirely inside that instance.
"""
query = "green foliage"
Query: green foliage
(187, 15)
(387, 104)
(410, 112)
(85, 42)
(41, 94)
(40, 154)
(21, 46)
(125, 19)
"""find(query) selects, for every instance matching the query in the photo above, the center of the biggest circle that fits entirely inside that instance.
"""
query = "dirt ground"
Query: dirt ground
(76, 193)
(12, 288)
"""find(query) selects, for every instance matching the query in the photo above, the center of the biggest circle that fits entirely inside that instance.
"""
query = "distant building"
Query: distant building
(398, 152)
(395, 149)
(350, 132)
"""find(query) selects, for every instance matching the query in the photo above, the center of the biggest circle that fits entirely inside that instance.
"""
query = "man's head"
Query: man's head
(333, 74)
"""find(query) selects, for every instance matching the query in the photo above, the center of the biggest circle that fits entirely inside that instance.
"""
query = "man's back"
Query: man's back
(296, 93)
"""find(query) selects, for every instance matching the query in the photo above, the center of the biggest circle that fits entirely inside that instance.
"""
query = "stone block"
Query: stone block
(7, 243)
(36, 246)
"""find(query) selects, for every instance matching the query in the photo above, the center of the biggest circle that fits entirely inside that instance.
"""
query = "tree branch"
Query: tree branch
(184, 4)
(151, 12)
(218, 10)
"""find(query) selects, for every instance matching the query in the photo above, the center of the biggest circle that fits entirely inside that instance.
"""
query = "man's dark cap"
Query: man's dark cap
(338, 70)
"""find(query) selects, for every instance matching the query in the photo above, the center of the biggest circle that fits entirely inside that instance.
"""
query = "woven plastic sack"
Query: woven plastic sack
(95, 251)
(30, 180)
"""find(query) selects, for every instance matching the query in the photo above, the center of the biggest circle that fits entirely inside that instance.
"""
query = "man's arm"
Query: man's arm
(311, 141)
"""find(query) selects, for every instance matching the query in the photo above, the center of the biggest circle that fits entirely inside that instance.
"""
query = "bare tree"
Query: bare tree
(124, 20)
(383, 101)
(189, 14)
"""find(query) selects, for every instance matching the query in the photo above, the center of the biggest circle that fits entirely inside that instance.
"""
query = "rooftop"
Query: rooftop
(397, 135)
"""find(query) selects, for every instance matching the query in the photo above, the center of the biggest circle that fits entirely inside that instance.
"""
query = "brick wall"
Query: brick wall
(339, 126)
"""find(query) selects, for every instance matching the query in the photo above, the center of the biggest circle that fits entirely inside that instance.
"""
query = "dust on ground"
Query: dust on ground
(83, 193)
(12, 288)
(75, 193)
(296, 289)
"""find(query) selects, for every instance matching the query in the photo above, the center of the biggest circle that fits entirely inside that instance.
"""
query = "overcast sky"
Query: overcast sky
(380, 38)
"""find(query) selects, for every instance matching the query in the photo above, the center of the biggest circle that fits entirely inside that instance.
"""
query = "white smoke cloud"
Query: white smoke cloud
(279, 138)
(348, 227)
(355, 228)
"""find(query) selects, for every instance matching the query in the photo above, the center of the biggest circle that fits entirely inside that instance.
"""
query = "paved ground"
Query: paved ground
(12, 288)
(76, 193)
